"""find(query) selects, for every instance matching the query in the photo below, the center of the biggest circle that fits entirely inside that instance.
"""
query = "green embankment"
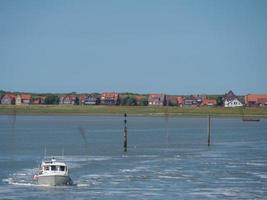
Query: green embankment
(132, 110)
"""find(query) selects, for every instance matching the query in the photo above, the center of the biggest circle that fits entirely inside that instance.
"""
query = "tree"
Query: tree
(128, 101)
(219, 100)
(52, 99)
(172, 103)
(77, 101)
(144, 102)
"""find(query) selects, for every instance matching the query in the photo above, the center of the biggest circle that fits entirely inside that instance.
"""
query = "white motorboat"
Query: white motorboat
(53, 173)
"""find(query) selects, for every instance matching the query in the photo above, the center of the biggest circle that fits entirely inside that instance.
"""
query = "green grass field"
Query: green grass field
(131, 110)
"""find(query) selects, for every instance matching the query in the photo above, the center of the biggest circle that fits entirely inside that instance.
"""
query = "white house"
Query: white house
(231, 100)
(18, 100)
(232, 103)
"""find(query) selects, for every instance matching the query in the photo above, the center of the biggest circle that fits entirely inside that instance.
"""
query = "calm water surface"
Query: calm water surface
(166, 159)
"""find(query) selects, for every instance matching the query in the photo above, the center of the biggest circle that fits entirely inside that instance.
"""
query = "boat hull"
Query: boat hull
(54, 180)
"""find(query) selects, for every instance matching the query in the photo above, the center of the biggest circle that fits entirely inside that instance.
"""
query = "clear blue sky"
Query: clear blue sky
(174, 47)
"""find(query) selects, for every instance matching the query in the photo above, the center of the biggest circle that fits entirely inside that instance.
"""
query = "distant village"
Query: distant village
(129, 99)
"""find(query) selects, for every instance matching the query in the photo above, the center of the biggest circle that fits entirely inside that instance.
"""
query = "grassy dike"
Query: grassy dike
(131, 110)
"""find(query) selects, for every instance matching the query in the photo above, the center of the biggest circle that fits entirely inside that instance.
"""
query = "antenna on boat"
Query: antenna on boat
(62, 153)
(45, 153)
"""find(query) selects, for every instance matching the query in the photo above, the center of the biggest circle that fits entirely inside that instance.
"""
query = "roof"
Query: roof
(72, 97)
(209, 102)
(43, 97)
(256, 97)
(171, 97)
(180, 99)
(25, 96)
(82, 97)
(230, 94)
(9, 95)
(110, 95)
(53, 162)
(139, 97)
(156, 97)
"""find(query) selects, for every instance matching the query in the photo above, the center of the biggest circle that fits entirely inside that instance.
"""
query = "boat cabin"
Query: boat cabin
(48, 167)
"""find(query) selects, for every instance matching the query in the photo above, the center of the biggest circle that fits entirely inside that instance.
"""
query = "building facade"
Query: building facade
(256, 100)
(110, 98)
(157, 100)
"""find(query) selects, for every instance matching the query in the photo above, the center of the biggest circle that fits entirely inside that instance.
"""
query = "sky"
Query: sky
(142, 46)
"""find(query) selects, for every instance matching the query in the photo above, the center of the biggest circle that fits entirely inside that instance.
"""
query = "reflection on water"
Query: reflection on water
(172, 162)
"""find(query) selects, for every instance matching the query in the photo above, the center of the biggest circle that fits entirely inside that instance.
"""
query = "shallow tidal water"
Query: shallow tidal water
(167, 158)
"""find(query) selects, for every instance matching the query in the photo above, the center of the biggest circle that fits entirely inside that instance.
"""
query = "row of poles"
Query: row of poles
(125, 135)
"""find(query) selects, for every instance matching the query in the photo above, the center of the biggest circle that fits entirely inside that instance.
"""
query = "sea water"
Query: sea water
(167, 158)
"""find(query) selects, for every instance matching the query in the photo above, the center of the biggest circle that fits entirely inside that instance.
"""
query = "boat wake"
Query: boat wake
(21, 178)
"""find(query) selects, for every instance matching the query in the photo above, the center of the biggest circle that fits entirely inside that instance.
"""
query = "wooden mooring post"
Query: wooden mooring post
(209, 131)
(125, 134)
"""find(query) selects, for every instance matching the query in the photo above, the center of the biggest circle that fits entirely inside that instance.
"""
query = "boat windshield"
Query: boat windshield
(53, 168)
(62, 168)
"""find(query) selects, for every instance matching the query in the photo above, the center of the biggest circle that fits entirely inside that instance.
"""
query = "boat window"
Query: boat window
(62, 168)
(46, 168)
(53, 168)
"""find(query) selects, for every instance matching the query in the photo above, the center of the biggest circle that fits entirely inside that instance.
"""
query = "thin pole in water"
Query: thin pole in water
(167, 127)
(125, 133)
(209, 132)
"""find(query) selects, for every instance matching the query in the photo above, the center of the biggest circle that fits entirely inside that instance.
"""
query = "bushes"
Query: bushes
(128, 101)
(52, 99)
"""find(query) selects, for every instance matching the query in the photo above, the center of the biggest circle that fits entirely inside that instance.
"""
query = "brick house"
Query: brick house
(110, 98)
(157, 100)
(180, 101)
(209, 102)
(193, 101)
(256, 100)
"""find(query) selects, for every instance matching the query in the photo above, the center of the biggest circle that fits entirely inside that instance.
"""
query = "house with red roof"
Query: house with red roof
(256, 100)
(23, 99)
(180, 101)
(110, 98)
(209, 102)
(38, 100)
(157, 100)
(8, 99)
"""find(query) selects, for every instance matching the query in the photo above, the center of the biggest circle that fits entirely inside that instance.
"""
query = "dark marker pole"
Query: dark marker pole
(209, 132)
(125, 133)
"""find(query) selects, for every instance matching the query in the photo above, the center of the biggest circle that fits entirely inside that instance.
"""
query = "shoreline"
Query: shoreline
(101, 110)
